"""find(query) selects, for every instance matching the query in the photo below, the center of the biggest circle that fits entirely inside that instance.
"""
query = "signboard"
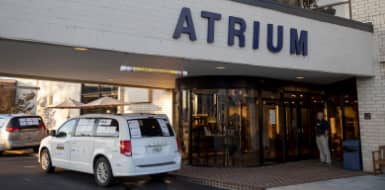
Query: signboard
(272, 117)
(298, 44)
(134, 129)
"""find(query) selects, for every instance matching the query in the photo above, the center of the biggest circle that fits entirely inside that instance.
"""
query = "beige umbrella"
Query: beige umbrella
(68, 103)
(104, 102)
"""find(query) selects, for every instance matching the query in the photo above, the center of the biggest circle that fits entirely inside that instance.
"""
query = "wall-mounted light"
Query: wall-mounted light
(124, 68)
(80, 49)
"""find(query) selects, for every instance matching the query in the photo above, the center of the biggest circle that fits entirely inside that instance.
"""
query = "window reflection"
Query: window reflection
(249, 127)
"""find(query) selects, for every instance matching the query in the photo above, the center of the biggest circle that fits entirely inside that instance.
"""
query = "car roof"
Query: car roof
(126, 115)
(7, 116)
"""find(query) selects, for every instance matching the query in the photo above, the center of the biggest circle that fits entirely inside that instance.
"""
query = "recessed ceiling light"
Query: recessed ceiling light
(300, 77)
(80, 49)
(220, 67)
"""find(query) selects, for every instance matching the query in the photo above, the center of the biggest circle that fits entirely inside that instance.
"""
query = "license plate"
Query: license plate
(156, 149)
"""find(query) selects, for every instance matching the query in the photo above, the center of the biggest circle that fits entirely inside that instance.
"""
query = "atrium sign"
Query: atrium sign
(236, 30)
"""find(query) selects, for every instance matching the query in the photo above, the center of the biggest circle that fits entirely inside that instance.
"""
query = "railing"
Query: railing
(341, 8)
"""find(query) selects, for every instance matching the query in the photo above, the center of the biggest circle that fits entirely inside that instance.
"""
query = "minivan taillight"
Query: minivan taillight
(12, 129)
(42, 127)
(126, 148)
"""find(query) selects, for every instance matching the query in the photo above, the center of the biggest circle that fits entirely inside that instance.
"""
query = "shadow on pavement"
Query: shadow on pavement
(20, 170)
(18, 153)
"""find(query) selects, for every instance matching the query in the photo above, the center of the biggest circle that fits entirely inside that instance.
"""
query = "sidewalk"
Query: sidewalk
(264, 177)
(368, 182)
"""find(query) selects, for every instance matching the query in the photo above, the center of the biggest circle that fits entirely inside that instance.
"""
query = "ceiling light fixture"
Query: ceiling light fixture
(300, 77)
(80, 49)
(124, 68)
(220, 67)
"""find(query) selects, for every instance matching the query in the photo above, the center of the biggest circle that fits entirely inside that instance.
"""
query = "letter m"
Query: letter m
(298, 44)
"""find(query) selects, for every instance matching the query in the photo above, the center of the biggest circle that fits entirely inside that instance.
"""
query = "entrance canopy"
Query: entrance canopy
(53, 62)
(216, 37)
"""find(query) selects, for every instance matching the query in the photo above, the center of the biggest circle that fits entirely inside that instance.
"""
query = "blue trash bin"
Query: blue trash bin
(352, 155)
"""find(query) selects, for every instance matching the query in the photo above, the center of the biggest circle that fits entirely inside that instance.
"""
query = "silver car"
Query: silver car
(21, 131)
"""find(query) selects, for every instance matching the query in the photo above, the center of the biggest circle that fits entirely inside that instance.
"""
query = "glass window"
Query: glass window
(150, 128)
(85, 127)
(28, 122)
(107, 128)
(67, 127)
(91, 92)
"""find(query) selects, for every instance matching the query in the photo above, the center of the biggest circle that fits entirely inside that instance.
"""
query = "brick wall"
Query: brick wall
(371, 91)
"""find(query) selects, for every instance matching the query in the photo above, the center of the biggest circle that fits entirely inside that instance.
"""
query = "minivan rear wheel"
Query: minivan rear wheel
(45, 161)
(103, 172)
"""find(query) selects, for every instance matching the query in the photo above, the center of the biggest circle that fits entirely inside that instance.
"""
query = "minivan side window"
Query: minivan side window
(67, 128)
(150, 127)
(107, 128)
(85, 127)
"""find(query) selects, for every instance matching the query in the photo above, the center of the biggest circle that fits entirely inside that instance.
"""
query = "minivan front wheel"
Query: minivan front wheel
(45, 161)
(158, 177)
(103, 172)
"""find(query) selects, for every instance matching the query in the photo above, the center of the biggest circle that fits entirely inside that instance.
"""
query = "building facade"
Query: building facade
(247, 76)
(34, 96)
(371, 91)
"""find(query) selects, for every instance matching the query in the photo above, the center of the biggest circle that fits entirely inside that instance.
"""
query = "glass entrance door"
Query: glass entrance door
(241, 131)
(299, 122)
(272, 134)
(224, 128)
(292, 129)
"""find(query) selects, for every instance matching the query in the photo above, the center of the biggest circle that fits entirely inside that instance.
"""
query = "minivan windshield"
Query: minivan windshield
(150, 127)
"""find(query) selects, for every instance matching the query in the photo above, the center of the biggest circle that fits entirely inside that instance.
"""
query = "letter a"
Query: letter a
(181, 27)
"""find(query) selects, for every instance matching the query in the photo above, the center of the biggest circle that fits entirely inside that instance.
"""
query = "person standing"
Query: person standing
(322, 138)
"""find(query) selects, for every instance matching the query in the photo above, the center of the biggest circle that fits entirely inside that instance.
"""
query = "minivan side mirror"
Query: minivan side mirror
(61, 134)
(52, 133)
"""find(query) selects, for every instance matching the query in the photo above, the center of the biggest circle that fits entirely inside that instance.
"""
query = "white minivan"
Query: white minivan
(110, 146)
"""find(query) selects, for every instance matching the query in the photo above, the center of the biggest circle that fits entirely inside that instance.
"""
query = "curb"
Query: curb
(217, 183)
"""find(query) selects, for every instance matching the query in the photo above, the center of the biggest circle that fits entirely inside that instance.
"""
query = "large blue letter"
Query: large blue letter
(240, 33)
(211, 18)
(256, 35)
(185, 17)
(298, 45)
(270, 34)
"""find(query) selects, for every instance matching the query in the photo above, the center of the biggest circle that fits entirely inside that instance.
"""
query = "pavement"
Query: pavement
(264, 177)
(19, 170)
(368, 182)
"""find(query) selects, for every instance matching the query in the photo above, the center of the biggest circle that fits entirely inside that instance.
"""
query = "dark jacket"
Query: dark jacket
(321, 127)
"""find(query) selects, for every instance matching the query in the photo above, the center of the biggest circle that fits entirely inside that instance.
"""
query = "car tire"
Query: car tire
(36, 149)
(158, 177)
(1, 153)
(45, 161)
(103, 172)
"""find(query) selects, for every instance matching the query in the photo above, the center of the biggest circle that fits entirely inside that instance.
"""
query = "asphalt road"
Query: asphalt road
(21, 171)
